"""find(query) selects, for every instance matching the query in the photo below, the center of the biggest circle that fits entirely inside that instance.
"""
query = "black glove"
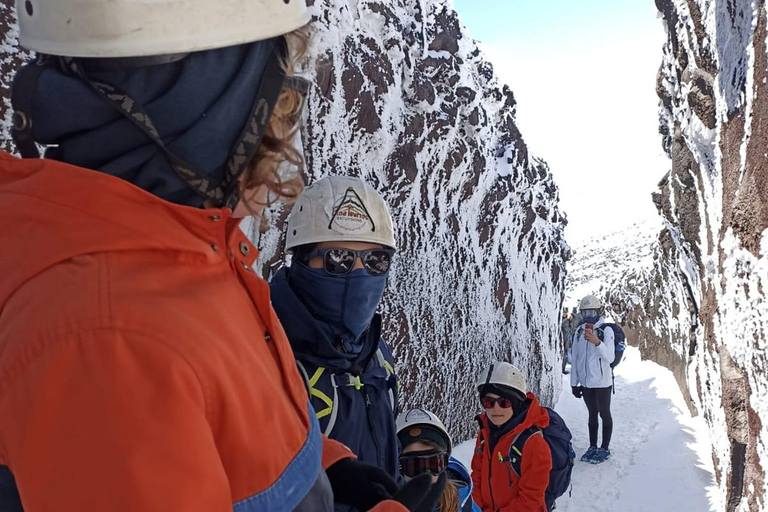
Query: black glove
(360, 485)
(420, 494)
(577, 391)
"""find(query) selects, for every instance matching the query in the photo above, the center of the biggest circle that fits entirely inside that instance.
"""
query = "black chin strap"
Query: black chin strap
(255, 128)
(223, 194)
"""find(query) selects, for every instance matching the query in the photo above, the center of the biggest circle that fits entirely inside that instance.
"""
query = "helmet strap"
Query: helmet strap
(192, 175)
(256, 126)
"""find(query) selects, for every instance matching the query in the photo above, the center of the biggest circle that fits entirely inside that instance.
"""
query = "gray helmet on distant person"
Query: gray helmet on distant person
(422, 425)
(590, 302)
(503, 379)
(340, 208)
(591, 307)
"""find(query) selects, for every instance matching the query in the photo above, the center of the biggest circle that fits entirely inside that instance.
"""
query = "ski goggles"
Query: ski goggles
(338, 261)
(488, 402)
(415, 463)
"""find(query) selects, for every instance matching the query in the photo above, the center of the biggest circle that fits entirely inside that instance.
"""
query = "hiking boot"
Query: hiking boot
(589, 454)
(601, 455)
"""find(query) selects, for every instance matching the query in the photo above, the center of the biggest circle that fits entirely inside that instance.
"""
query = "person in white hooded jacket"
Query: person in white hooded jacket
(592, 351)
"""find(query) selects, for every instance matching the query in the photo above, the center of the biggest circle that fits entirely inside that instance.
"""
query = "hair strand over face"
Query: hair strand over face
(277, 149)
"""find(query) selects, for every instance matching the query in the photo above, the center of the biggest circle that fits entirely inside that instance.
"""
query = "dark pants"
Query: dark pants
(598, 400)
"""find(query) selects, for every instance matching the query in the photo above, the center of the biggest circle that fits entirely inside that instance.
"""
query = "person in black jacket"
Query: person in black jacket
(342, 242)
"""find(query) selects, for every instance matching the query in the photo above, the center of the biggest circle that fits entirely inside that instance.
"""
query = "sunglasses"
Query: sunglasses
(415, 463)
(338, 261)
(488, 402)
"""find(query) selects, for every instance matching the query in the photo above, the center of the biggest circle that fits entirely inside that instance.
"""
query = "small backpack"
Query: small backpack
(619, 342)
(558, 437)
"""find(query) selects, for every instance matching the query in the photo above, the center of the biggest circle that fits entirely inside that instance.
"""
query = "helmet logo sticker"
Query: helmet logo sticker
(350, 214)
(417, 415)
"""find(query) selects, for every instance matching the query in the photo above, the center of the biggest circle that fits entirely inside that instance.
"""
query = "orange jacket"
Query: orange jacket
(141, 364)
(497, 487)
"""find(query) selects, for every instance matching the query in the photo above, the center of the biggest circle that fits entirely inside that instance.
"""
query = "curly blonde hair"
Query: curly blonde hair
(276, 150)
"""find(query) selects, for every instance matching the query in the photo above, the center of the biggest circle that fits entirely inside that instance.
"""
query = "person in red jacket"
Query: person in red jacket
(142, 367)
(509, 411)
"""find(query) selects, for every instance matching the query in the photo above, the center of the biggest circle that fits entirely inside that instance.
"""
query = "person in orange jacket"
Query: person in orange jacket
(509, 411)
(142, 366)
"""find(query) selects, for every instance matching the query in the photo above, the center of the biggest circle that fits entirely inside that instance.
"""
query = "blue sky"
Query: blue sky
(531, 20)
(584, 75)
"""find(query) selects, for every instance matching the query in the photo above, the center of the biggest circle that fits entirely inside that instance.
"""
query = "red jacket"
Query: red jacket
(141, 364)
(497, 487)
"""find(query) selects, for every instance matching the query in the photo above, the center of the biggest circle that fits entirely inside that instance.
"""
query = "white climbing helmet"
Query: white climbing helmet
(135, 28)
(590, 302)
(409, 424)
(504, 375)
(339, 208)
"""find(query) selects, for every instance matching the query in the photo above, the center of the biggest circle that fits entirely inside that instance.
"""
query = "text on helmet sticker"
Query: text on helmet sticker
(350, 213)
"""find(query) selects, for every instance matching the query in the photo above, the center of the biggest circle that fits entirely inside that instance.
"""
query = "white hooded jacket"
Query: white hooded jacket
(591, 366)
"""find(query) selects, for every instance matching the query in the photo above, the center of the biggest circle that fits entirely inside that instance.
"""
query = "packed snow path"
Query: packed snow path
(660, 455)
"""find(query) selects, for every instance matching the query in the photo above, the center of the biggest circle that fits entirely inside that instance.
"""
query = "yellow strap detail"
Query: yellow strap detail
(327, 401)
(517, 451)
(316, 376)
(501, 458)
(389, 367)
(319, 394)
(354, 380)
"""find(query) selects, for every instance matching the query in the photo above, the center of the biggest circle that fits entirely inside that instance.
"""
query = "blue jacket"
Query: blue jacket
(355, 396)
(461, 479)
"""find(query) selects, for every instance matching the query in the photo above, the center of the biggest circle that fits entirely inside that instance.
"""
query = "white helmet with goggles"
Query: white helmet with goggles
(422, 425)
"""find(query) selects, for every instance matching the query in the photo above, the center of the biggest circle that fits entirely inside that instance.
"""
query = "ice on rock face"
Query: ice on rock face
(703, 310)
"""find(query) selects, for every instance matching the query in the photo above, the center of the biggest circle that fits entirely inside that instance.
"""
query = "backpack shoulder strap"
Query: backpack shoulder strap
(331, 404)
(390, 375)
(516, 450)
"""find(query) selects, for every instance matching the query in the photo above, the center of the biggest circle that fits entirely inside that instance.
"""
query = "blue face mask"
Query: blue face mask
(346, 303)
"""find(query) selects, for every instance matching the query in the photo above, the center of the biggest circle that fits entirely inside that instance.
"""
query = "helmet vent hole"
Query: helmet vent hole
(301, 208)
(29, 7)
(287, 1)
(294, 232)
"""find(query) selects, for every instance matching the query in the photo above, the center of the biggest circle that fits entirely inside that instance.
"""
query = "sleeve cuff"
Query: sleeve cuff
(334, 451)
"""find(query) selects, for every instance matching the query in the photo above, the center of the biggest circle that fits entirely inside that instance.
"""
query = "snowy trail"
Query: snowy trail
(660, 455)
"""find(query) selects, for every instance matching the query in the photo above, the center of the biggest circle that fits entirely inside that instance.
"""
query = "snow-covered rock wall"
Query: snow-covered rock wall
(713, 85)
(403, 97)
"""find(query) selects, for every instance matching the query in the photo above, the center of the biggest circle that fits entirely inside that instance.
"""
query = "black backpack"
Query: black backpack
(619, 341)
(558, 437)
